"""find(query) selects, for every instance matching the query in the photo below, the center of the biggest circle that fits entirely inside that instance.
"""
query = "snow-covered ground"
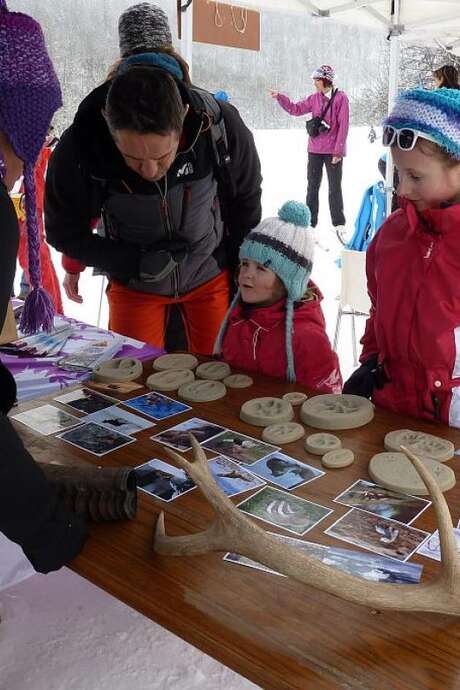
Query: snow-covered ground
(59, 632)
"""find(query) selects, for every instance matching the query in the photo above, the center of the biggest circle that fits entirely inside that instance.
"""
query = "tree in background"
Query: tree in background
(416, 70)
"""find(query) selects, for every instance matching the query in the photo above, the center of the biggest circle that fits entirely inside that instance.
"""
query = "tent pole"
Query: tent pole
(394, 38)
(186, 43)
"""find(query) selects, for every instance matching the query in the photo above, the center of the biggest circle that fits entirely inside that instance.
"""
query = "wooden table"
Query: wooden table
(279, 634)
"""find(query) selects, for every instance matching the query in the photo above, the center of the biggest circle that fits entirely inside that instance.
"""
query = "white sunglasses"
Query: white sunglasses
(405, 138)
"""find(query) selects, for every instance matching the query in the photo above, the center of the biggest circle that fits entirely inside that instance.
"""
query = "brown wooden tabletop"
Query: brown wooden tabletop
(279, 634)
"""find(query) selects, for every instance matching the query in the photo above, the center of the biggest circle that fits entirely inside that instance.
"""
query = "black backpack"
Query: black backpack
(204, 102)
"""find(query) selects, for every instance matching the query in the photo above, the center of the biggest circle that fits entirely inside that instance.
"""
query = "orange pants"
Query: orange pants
(143, 316)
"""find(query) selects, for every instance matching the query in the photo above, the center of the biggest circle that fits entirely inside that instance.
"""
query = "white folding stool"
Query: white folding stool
(354, 300)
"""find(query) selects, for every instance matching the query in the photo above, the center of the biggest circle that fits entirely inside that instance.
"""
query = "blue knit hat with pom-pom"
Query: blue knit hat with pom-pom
(285, 245)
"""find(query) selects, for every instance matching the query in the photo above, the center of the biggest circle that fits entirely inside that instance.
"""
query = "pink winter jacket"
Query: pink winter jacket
(334, 141)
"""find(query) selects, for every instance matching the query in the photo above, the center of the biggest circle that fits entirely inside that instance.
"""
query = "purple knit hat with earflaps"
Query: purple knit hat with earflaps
(29, 96)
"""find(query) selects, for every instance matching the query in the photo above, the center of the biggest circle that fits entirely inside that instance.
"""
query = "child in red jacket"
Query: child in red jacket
(411, 346)
(275, 324)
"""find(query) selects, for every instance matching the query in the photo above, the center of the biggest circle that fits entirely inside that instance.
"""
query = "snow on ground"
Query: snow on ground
(60, 632)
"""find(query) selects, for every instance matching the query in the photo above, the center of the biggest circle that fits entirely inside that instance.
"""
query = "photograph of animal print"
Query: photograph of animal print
(156, 405)
(384, 502)
(284, 510)
(432, 547)
(162, 480)
(239, 447)
(284, 471)
(47, 419)
(232, 478)
(120, 420)
(374, 533)
(368, 566)
(86, 401)
(95, 438)
(178, 437)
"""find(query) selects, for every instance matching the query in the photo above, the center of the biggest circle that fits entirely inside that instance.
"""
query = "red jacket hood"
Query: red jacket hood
(437, 220)
(269, 317)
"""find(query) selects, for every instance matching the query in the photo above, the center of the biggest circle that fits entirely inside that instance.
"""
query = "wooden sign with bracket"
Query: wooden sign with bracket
(222, 24)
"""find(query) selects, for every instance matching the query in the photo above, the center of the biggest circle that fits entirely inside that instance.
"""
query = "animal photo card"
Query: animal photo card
(156, 405)
(381, 535)
(284, 510)
(384, 502)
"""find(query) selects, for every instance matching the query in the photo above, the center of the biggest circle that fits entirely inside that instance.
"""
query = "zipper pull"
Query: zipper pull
(429, 251)
(436, 405)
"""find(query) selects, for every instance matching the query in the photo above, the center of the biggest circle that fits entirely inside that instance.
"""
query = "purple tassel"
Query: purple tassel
(39, 308)
(38, 312)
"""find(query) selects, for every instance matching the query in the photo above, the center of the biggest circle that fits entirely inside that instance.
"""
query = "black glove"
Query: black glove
(158, 263)
(368, 376)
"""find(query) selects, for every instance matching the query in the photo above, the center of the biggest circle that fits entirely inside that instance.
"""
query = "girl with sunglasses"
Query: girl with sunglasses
(410, 362)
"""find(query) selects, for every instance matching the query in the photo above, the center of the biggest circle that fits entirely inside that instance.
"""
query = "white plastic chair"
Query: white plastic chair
(354, 300)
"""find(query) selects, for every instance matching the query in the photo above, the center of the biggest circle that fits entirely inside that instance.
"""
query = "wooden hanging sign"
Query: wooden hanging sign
(224, 24)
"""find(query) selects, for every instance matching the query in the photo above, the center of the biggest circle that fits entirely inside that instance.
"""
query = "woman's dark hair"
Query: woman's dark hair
(144, 100)
(448, 74)
(167, 50)
(326, 82)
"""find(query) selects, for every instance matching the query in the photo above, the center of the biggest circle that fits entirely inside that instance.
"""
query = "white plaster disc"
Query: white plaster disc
(202, 391)
(337, 411)
(322, 443)
(169, 379)
(213, 371)
(396, 472)
(295, 398)
(420, 443)
(266, 411)
(336, 459)
(238, 381)
(285, 432)
(175, 361)
(118, 370)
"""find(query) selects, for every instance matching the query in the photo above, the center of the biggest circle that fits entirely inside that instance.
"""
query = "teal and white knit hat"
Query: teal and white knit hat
(285, 246)
(436, 113)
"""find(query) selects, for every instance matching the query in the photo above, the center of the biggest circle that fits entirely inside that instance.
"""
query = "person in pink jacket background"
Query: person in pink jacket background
(328, 147)
(275, 325)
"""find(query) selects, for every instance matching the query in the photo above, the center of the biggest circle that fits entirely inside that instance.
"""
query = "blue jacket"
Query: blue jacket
(370, 217)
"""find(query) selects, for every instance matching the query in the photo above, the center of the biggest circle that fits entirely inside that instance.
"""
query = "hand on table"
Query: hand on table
(70, 286)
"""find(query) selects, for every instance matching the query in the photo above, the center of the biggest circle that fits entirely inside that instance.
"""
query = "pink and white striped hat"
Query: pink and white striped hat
(324, 72)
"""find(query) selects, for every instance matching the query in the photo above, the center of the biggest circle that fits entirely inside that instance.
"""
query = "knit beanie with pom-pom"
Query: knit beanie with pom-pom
(285, 245)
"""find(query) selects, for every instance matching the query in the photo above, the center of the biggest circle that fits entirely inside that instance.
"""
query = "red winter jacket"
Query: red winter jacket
(413, 275)
(255, 341)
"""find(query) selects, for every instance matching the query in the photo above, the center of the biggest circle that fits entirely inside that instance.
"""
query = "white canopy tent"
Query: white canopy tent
(425, 22)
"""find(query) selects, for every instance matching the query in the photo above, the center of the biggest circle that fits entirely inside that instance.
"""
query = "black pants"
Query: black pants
(334, 177)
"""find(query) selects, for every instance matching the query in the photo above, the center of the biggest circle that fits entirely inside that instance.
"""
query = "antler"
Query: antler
(234, 531)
